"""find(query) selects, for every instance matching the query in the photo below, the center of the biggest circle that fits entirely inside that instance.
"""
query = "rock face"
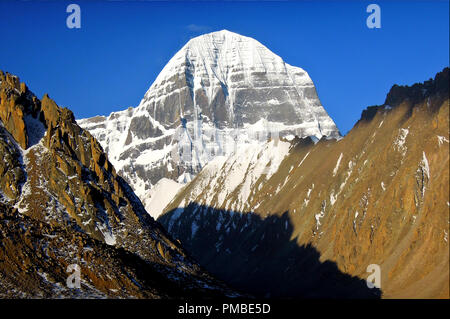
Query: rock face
(220, 90)
(313, 221)
(62, 203)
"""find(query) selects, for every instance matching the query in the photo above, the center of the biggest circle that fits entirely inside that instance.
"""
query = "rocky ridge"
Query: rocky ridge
(329, 209)
(63, 203)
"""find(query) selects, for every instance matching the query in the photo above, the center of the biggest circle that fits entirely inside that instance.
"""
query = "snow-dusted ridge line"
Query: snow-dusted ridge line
(229, 181)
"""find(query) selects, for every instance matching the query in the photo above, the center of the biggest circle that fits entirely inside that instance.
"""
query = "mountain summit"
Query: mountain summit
(235, 80)
(221, 90)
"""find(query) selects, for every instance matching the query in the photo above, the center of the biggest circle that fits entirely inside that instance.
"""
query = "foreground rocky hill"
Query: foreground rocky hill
(311, 217)
(62, 203)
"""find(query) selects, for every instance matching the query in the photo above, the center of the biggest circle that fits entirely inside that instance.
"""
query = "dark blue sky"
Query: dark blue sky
(110, 62)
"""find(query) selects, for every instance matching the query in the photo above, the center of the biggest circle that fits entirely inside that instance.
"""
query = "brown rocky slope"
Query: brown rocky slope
(380, 195)
(62, 203)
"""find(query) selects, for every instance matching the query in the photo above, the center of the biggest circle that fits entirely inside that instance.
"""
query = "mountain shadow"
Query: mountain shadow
(258, 256)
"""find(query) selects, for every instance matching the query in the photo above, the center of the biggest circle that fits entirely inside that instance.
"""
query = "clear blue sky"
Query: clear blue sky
(110, 62)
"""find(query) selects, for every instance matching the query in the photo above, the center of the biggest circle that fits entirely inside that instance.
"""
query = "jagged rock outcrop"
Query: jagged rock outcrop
(378, 196)
(63, 203)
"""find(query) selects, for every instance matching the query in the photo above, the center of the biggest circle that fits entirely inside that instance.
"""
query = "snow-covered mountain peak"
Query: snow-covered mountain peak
(224, 61)
(219, 36)
(219, 92)
(222, 43)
